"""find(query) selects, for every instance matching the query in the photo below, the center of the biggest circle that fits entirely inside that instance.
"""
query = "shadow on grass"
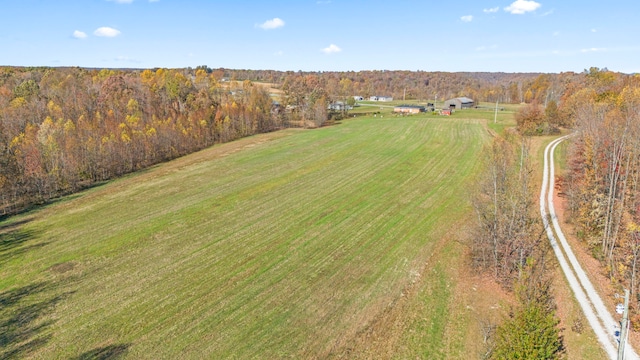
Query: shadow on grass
(15, 241)
(111, 352)
(23, 323)
(27, 207)
(14, 225)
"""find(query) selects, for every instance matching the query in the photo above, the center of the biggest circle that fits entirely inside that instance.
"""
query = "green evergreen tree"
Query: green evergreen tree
(531, 331)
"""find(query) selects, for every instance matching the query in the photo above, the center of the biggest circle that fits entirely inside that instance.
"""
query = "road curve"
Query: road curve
(599, 318)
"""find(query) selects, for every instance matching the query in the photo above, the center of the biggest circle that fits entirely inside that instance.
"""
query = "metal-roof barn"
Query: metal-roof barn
(459, 103)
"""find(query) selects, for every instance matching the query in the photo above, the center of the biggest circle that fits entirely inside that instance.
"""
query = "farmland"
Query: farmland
(296, 244)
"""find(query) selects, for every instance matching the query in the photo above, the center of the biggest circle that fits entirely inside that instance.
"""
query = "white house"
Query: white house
(380, 98)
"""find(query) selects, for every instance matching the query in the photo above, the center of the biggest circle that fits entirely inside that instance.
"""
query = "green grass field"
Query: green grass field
(296, 244)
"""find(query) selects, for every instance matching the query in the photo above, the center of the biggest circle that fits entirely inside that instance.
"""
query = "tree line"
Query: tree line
(602, 182)
(65, 129)
(509, 245)
(513, 88)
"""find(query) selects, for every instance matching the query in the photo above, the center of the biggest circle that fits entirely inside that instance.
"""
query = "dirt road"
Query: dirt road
(598, 316)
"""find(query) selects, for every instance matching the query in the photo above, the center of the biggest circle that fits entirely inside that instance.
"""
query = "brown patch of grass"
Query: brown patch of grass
(382, 337)
(475, 303)
(63, 267)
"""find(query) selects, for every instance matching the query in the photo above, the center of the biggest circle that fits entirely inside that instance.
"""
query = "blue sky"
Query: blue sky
(324, 35)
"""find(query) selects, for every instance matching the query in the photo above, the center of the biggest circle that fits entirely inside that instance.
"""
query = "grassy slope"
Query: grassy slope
(285, 244)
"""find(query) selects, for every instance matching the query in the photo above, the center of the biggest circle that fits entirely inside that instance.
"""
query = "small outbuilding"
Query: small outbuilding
(339, 106)
(409, 109)
(380, 98)
(459, 103)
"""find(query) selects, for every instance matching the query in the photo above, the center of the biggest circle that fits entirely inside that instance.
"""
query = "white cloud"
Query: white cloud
(491, 10)
(106, 32)
(79, 34)
(325, 2)
(331, 49)
(556, 33)
(278, 53)
(520, 7)
(467, 18)
(121, 1)
(272, 24)
(590, 50)
(548, 13)
(594, 30)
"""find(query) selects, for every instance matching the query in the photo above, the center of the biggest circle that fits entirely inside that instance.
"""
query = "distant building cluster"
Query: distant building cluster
(447, 109)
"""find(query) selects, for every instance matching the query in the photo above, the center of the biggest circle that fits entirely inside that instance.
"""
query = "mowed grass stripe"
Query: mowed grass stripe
(286, 247)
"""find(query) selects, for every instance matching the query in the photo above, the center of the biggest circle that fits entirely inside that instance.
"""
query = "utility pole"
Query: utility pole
(495, 117)
(623, 326)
